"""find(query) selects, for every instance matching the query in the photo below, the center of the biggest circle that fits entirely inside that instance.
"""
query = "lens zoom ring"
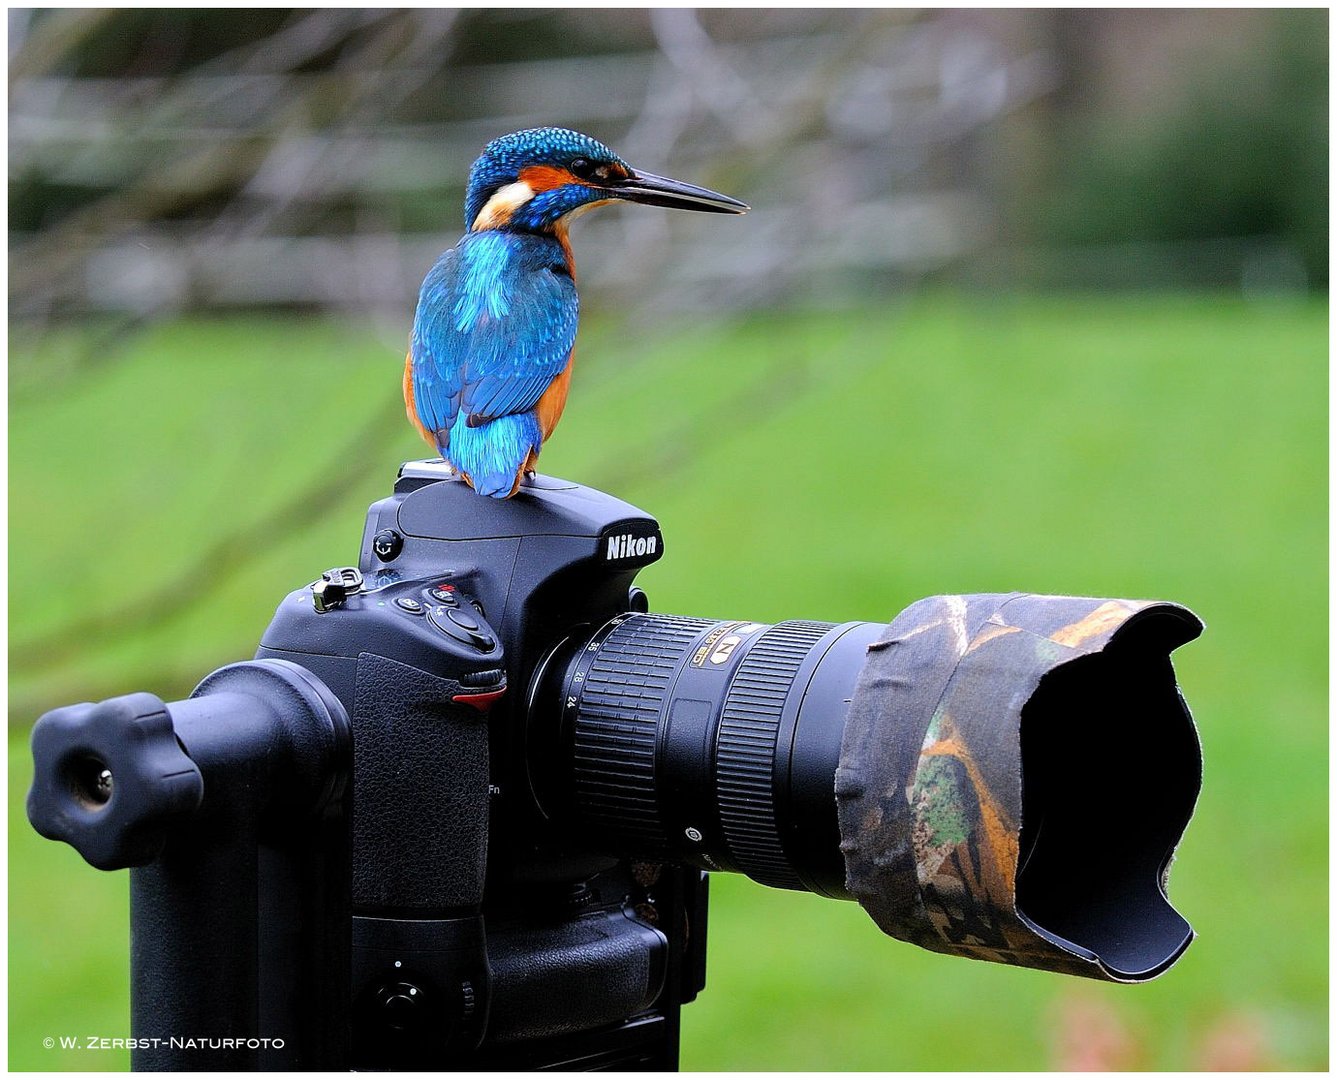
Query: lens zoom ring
(617, 722)
(745, 752)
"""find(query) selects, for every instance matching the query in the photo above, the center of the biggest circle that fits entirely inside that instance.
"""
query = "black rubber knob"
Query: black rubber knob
(387, 544)
(111, 779)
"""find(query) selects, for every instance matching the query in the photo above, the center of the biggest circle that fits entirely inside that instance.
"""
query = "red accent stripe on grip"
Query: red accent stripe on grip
(481, 702)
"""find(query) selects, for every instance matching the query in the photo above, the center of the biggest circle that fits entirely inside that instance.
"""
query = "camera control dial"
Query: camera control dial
(402, 1005)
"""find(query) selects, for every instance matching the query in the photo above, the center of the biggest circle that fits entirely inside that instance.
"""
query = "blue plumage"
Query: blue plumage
(492, 456)
(496, 323)
(489, 358)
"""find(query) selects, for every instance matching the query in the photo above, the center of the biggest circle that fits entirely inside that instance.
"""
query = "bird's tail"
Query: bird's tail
(493, 454)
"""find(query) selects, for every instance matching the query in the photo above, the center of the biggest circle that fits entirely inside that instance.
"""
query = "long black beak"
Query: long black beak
(661, 191)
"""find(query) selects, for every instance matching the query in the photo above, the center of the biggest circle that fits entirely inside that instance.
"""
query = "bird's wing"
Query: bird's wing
(493, 329)
(436, 379)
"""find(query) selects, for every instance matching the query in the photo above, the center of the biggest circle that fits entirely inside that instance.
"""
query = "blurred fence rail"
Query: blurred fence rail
(169, 161)
(252, 180)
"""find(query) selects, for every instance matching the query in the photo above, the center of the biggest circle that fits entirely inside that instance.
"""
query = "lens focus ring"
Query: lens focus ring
(621, 691)
(745, 754)
(673, 757)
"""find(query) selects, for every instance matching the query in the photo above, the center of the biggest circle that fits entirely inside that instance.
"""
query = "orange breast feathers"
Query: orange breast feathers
(410, 407)
(550, 405)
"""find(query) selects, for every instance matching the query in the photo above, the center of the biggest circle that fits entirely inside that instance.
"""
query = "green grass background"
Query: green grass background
(168, 488)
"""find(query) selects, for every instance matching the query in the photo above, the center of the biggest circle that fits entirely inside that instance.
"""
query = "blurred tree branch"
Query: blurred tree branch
(878, 147)
(38, 45)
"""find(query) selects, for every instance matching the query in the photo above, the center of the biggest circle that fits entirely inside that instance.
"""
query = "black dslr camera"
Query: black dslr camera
(458, 811)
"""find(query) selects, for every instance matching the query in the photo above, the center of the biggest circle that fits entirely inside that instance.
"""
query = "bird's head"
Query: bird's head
(532, 180)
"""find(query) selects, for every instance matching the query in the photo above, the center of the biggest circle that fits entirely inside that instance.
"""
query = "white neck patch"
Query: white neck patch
(505, 201)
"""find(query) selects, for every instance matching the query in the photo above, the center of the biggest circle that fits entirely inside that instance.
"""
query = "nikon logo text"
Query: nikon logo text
(626, 546)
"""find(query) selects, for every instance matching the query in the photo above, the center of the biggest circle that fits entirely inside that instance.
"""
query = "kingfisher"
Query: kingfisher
(489, 360)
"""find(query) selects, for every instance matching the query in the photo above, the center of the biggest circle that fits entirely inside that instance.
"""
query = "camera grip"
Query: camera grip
(573, 976)
(420, 793)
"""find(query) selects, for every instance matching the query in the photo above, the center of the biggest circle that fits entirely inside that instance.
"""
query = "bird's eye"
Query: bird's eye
(585, 169)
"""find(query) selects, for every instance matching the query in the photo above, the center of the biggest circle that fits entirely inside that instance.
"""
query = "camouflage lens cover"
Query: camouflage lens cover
(1006, 744)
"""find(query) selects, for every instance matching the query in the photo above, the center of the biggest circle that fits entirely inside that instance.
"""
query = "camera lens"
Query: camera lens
(1002, 776)
(709, 742)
